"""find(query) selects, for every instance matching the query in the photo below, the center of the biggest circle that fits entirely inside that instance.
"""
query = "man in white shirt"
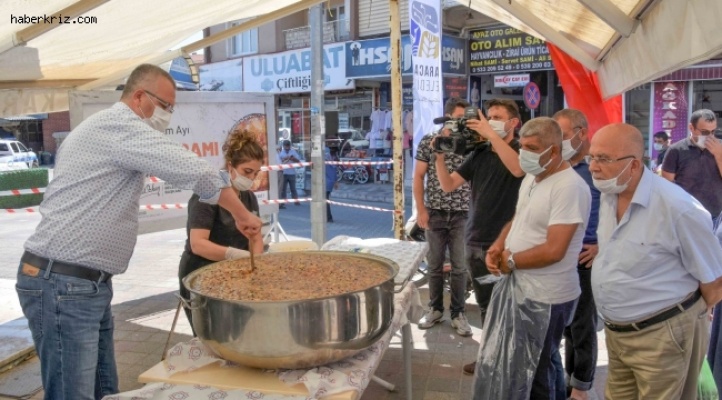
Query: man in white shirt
(541, 244)
(657, 272)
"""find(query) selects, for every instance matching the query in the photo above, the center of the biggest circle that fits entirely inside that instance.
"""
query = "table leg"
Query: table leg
(406, 347)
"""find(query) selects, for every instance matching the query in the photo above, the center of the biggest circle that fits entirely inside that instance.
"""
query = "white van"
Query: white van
(14, 155)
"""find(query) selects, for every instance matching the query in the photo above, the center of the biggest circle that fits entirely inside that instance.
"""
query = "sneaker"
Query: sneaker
(470, 368)
(430, 319)
(461, 325)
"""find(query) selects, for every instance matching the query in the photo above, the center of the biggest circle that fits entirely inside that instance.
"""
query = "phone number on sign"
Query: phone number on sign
(515, 67)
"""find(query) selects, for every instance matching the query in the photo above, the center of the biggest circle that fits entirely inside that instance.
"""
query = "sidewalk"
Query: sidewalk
(373, 192)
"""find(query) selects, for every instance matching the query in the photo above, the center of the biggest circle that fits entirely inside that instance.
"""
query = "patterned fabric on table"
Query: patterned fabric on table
(408, 255)
(352, 373)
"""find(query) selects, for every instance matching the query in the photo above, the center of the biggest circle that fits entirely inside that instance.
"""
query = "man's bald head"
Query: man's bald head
(622, 138)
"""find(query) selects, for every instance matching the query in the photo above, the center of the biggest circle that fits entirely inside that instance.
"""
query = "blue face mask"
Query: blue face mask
(529, 161)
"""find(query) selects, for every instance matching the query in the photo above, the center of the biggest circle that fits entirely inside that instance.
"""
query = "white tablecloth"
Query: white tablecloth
(352, 373)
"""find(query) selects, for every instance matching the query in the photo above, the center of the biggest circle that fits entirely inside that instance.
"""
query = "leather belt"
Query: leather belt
(655, 319)
(62, 268)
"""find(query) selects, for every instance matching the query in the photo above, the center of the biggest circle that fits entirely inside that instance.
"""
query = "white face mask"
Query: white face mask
(658, 146)
(612, 186)
(159, 120)
(700, 141)
(567, 150)
(529, 161)
(241, 183)
(498, 127)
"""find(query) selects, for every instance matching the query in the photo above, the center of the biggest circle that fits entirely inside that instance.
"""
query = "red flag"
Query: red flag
(582, 91)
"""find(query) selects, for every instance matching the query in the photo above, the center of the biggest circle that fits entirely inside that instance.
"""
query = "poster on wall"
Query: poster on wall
(454, 87)
(224, 76)
(200, 123)
(670, 112)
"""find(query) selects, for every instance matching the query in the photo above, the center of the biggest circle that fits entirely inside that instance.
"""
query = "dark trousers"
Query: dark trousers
(546, 379)
(580, 355)
(189, 263)
(446, 231)
(476, 260)
(329, 217)
(289, 180)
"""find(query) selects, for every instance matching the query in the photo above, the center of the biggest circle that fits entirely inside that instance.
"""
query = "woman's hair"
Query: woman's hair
(242, 146)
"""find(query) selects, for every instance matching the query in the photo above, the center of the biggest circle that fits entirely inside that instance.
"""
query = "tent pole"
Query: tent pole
(397, 146)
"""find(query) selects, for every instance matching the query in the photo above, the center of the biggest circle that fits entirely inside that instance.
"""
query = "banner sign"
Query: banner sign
(518, 80)
(290, 71)
(425, 31)
(181, 72)
(372, 58)
(670, 112)
(224, 76)
(407, 94)
(506, 50)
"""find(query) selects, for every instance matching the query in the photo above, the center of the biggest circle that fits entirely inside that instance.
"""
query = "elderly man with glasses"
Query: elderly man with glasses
(657, 271)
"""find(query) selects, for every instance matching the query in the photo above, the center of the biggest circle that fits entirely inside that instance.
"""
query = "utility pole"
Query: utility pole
(318, 128)
(398, 147)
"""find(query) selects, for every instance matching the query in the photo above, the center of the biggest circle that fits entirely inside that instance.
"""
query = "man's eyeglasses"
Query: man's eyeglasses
(705, 132)
(606, 160)
(164, 104)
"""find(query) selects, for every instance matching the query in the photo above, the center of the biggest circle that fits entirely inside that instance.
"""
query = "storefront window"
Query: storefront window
(707, 94)
(637, 108)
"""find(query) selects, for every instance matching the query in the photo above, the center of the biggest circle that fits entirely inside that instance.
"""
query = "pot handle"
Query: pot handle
(188, 304)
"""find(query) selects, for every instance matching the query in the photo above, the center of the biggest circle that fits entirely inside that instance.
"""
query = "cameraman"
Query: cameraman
(442, 215)
(494, 174)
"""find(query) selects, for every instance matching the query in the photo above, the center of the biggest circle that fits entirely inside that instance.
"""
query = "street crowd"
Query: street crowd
(561, 229)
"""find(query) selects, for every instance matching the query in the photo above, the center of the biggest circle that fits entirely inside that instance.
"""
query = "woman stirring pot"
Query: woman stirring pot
(211, 230)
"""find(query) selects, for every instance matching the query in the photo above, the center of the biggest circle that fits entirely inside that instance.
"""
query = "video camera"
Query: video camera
(462, 140)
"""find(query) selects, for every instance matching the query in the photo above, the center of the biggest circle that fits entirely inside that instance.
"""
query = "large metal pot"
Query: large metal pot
(295, 334)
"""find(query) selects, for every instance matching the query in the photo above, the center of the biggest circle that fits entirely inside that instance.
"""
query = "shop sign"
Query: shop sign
(290, 71)
(506, 50)
(518, 80)
(671, 111)
(372, 57)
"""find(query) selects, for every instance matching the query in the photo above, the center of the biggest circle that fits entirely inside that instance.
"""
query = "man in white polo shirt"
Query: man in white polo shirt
(657, 272)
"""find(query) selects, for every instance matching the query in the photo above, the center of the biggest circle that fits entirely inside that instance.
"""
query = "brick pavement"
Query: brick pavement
(144, 305)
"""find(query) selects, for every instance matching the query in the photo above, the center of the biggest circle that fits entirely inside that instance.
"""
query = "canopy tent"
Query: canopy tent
(628, 42)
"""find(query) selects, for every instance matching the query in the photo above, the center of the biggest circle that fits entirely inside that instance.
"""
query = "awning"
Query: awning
(628, 42)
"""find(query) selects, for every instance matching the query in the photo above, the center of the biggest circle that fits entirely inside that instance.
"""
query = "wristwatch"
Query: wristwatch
(510, 262)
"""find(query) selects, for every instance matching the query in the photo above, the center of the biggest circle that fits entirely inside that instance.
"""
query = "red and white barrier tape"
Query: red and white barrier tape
(280, 167)
(279, 201)
(18, 192)
(151, 207)
(362, 207)
(19, 210)
(359, 162)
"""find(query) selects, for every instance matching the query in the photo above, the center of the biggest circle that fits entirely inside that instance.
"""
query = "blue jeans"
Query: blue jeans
(446, 231)
(72, 328)
(548, 376)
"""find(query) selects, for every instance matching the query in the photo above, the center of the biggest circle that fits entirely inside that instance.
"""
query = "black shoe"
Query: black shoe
(329, 220)
(298, 203)
(282, 206)
(470, 368)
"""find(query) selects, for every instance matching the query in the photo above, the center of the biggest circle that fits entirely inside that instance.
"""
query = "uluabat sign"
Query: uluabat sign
(290, 71)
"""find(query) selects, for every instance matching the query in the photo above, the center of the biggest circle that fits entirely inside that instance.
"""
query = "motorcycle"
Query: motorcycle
(417, 234)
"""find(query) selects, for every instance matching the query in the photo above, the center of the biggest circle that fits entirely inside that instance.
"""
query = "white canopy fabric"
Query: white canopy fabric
(604, 35)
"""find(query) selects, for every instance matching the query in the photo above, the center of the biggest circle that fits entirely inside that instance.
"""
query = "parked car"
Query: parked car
(16, 156)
